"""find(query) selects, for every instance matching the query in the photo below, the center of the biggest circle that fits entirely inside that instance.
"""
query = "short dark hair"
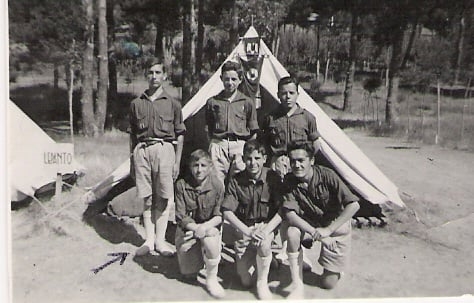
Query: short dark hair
(307, 146)
(287, 80)
(197, 155)
(154, 61)
(232, 65)
(254, 144)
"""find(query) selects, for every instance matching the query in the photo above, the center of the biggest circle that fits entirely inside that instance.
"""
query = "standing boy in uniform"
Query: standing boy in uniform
(249, 206)
(288, 123)
(318, 207)
(198, 200)
(157, 130)
(231, 119)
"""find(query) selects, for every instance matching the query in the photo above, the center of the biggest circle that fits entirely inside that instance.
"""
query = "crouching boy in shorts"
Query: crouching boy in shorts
(318, 207)
(198, 200)
(250, 208)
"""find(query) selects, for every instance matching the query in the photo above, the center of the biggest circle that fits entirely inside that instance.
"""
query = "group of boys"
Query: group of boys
(229, 185)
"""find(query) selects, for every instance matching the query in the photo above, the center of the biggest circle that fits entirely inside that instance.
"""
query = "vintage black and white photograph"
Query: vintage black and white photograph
(295, 149)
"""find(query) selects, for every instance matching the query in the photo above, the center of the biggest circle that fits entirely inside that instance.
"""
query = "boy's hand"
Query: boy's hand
(188, 235)
(321, 233)
(258, 236)
(200, 232)
(176, 167)
(331, 243)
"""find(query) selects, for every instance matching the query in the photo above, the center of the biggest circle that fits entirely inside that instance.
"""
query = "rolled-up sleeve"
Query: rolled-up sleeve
(289, 203)
(179, 127)
(181, 217)
(230, 198)
(313, 133)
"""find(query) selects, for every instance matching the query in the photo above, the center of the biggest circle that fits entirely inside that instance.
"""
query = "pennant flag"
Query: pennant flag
(251, 68)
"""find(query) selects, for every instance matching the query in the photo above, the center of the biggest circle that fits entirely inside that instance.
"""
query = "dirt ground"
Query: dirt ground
(426, 250)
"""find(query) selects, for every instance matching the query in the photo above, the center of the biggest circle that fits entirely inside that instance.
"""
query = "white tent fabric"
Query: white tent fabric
(27, 141)
(349, 161)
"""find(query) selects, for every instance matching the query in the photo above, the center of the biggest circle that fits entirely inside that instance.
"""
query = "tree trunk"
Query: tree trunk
(188, 62)
(101, 106)
(112, 60)
(159, 38)
(411, 41)
(393, 77)
(55, 75)
(234, 30)
(89, 126)
(349, 83)
(200, 41)
(459, 48)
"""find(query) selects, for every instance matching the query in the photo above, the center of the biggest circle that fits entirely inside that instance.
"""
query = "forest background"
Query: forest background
(399, 53)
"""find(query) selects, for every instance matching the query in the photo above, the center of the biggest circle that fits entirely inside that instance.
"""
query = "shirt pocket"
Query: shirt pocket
(240, 120)
(164, 123)
(299, 134)
(219, 116)
(206, 207)
(142, 121)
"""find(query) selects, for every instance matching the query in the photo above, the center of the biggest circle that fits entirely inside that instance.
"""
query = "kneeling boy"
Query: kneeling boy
(198, 199)
(250, 208)
(318, 207)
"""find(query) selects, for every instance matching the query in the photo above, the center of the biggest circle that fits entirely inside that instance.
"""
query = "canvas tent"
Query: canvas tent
(344, 156)
(27, 142)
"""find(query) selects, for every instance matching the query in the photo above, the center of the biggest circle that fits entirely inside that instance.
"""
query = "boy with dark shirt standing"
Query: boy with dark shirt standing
(288, 123)
(231, 119)
(156, 134)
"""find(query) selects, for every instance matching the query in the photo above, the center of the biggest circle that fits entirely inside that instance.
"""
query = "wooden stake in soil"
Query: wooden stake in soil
(439, 113)
(59, 185)
(71, 89)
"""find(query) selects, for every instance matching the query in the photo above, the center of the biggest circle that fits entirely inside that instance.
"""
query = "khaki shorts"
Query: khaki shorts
(222, 153)
(245, 250)
(154, 169)
(337, 260)
(190, 252)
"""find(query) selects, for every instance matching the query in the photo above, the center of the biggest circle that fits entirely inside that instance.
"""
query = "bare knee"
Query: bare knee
(211, 246)
(294, 238)
(265, 248)
(329, 279)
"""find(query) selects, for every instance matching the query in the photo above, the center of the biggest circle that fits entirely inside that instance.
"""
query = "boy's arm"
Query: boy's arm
(178, 152)
(272, 224)
(346, 215)
(297, 221)
(235, 222)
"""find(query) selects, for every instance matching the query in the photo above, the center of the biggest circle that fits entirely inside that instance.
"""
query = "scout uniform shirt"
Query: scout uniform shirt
(231, 120)
(197, 204)
(281, 129)
(160, 118)
(321, 201)
(252, 201)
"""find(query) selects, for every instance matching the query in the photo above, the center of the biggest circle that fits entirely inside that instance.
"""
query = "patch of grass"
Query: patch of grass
(101, 155)
(416, 116)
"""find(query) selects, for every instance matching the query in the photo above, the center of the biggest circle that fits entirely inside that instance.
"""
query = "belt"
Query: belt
(249, 222)
(232, 137)
(152, 141)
